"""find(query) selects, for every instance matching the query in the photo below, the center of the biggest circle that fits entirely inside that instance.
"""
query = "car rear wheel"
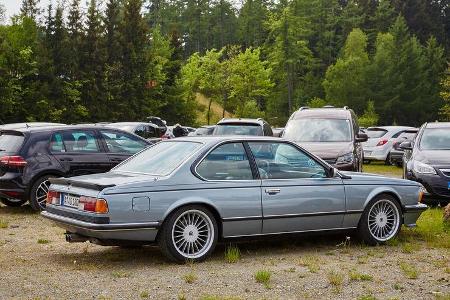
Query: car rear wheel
(12, 202)
(38, 192)
(381, 220)
(190, 233)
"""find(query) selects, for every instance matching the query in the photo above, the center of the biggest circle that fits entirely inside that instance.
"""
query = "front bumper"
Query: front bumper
(101, 230)
(437, 186)
(412, 213)
(375, 153)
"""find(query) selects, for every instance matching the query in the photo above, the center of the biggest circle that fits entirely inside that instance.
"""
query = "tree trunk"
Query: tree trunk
(208, 116)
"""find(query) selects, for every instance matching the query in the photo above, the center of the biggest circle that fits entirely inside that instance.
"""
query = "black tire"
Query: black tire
(365, 226)
(387, 162)
(35, 191)
(167, 242)
(13, 203)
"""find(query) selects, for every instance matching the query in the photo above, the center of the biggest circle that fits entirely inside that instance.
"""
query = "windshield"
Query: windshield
(238, 129)
(374, 133)
(10, 142)
(161, 159)
(435, 139)
(318, 130)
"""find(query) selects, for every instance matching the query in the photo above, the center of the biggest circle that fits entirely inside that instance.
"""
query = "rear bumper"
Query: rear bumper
(11, 186)
(375, 154)
(106, 231)
(412, 213)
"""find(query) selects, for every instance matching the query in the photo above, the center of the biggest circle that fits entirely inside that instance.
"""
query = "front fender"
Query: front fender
(383, 190)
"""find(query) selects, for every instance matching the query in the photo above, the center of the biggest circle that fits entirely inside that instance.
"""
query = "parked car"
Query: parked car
(278, 132)
(30, 156)
(178, 193)
(330, 133)
(396, 154)
(427, 160)
(148, 131)
(29, 125)
(243, 126)
(203, 130)
(177, 131)
(380, 142)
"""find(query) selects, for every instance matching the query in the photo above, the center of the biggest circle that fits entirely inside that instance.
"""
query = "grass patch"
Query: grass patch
(120, 274)
(232, 254)
(409, 270)
(367, 297)
(144, 295)
(336, 279)
(263, 277)
(382, 169)
(3, 224)
(356, 276)
(190, 278)
(442, 297)
(311, 262)
(213, 297)
(410, 247)
(43, 241)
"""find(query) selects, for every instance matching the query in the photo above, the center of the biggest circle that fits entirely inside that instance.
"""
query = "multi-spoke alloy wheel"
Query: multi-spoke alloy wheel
(41, 193)
(189, 233)
(381, 220)
(192, 233)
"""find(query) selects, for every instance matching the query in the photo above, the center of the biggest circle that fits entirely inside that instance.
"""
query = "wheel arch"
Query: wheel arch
(196, 201)
(384, 191)
(40, 175)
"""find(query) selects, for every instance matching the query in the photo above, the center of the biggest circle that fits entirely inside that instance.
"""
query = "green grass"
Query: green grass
(190, 278)
(263, 277)
(120, 274)
(311, 262)
(409, 270)
(144, 295)
(356, 276)
(382, 169)
(43, 241)
(336, 279)
(3, 224)
(367, 297)
(232, 254)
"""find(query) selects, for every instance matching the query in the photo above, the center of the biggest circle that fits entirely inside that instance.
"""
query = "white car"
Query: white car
(380, 142)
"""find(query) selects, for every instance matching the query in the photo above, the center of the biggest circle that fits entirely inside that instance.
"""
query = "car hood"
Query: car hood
(374, 179)
(434, 157)
(328, 150)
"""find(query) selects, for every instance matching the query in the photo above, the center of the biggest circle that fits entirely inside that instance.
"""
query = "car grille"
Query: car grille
(446, 172)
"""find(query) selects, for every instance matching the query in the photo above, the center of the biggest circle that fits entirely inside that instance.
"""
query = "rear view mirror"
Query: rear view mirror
(361, 137)
(406, 145)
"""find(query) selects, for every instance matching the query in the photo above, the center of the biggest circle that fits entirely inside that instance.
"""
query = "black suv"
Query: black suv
(30, 156)
(243, 127)
(331, 133)
(427, 160)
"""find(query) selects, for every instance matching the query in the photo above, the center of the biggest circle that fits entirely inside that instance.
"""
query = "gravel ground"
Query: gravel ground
(36, 263)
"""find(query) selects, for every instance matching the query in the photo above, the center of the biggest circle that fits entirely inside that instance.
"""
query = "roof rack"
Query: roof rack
(303, 107)
(328, 106)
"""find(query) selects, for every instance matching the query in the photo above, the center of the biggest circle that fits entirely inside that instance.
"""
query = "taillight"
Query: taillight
(382, 142)
(53, 197)
(13, 161)
(93, 205)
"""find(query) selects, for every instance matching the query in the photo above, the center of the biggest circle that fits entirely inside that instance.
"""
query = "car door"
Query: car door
(120, 145)
(232, 186)
(297, 192)
(79, 152)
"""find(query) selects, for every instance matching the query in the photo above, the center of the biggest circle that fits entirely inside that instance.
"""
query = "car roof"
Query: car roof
(55, 128)
(438, 125)
(226, 138)
(325, 112)
(29, 125)
(390, 128)
(240, 121)
(131, 124)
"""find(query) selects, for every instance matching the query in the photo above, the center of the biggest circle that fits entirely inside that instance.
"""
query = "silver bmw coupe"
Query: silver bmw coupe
(187, 194)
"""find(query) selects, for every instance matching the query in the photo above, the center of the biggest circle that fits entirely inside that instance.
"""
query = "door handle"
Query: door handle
(272, 191)
(66, 159)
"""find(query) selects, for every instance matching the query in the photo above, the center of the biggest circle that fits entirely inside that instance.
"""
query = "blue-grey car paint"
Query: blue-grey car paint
(243, 207)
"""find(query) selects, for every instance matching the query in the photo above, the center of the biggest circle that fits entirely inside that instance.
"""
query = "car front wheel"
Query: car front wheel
(190, 233)
(381, 220)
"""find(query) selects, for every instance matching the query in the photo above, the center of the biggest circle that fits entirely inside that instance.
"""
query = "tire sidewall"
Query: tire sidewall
(363, 227)
(165, 238)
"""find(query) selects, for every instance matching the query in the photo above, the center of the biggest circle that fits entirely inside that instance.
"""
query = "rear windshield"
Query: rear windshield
(374, 133)
(161, 159)
(318, 130)
(238, 129)
(435, 139)
(10, 142)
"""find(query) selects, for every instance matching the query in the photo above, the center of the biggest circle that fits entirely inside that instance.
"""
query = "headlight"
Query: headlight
(345, 159)
(421, 168)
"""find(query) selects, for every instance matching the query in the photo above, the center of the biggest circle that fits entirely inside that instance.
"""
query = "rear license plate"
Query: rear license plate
(72, 201)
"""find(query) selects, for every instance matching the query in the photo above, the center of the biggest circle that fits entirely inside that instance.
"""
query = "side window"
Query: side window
(119, 142)
(140, 131)
(397, 134)
(56, 143)
(226, 162)
(80, 141)
(284, 161)
(267, 130)
(150, 132)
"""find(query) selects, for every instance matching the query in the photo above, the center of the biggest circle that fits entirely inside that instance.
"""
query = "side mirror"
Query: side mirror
(361, 137)
(406, 145)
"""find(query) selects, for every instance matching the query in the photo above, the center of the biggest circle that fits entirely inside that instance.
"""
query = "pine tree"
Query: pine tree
(252, 23)
(30, 9)
(75, 37)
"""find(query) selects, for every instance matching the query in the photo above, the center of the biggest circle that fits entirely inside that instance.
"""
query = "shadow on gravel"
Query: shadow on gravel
(22, 210)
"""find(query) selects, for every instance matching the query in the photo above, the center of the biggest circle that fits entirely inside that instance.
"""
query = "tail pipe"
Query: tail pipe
(75, 238)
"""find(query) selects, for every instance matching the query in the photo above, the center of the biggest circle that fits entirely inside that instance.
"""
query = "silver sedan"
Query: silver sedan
(187, 194)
